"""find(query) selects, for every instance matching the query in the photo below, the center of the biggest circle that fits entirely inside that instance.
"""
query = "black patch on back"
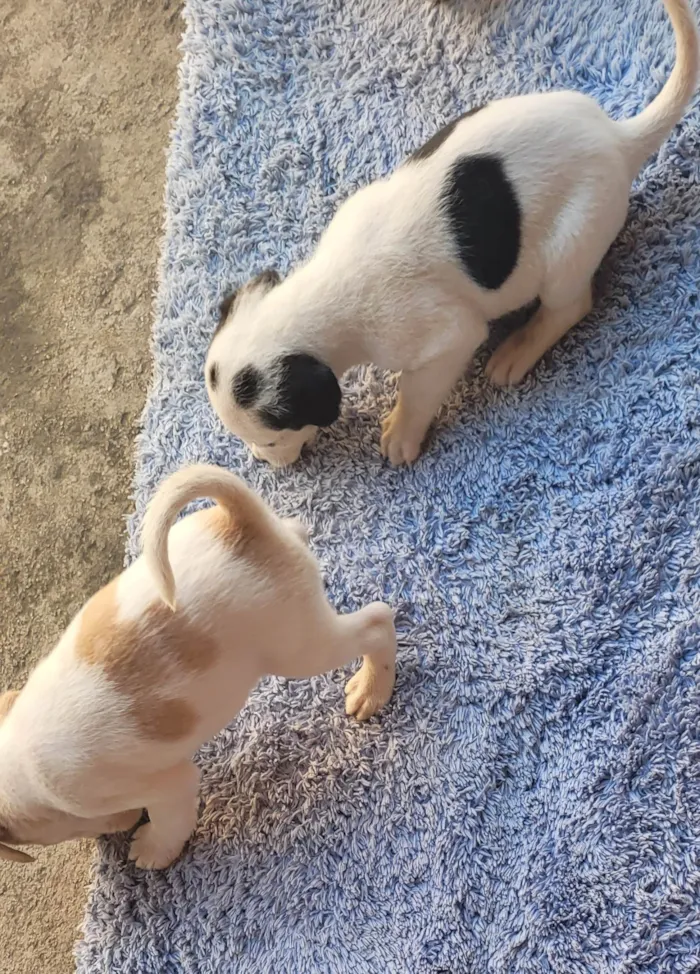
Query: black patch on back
(307, 394)
(224, 309)
(213, 375)
(246, 386)
(433, 144)
(484, 216)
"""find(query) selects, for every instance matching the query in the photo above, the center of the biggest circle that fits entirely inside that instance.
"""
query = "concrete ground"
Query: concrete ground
(87, 91)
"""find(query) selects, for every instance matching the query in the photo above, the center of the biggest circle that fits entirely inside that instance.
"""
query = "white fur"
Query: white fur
(73, 761)
(384, 284)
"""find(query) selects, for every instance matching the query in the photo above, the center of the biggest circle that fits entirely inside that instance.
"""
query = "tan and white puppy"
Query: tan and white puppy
(518, 201)
(108, 723)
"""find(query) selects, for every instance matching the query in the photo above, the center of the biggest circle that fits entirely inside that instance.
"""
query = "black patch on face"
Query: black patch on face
(433, 144)
(307, 394)
(224, 309)
(213, 375)
(246, 386)
(483, 214)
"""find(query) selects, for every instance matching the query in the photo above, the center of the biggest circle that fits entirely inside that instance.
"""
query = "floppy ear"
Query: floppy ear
(14, 855)
(267, 280)
(306, 394)
(261, 283)
(6, 701)
(224, 308)
(7, 852)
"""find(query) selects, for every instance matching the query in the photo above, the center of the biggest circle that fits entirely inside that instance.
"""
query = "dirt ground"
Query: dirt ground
(87, 92)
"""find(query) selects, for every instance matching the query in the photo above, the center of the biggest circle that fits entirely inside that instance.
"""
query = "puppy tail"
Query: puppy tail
(189, 484)
(645, 132)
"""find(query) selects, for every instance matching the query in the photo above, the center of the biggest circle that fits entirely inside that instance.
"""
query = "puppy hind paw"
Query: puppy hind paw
(150, 849)
(368, 691)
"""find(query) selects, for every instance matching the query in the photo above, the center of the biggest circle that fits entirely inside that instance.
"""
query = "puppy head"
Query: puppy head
(37, 826)
(7, 700)
(32, 824)
(47, 826)
(268, 392)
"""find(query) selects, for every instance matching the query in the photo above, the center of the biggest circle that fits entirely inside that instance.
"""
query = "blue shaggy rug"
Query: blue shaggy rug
(530, 799)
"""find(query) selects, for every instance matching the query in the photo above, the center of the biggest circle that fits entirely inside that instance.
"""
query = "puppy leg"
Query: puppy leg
(172, 810)
(421, 393)
(336, 640)
(586, 227)
(524, 348)
(299, 528)
(371, 630)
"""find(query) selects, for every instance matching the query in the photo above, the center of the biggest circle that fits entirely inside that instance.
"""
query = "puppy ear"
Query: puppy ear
(7, 852)
(6, 701)
(306, 394)
(14, 855)
(266, 281)
(225, 306)
(261, 284)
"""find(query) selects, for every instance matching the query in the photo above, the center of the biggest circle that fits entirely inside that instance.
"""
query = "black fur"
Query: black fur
(268, 279)
(214, 375)
(431, 145)
(246, 386)
(307, 394)
(484, 215)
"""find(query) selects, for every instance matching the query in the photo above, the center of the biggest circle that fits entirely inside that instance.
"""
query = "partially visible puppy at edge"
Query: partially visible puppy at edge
(517, 201)
(161, 659)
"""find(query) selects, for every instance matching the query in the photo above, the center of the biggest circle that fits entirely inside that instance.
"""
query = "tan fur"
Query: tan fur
(253, 539)
(109, 722)
(236, 533)
(135, 654)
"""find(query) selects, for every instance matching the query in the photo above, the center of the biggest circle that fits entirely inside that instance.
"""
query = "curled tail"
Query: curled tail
(645, 132)
(188, 484)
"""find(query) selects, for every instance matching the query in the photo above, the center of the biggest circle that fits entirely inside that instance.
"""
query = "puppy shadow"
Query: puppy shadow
(260, 803)
(481, 9)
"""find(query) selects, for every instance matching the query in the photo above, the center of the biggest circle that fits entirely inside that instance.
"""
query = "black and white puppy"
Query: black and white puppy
(517, 201)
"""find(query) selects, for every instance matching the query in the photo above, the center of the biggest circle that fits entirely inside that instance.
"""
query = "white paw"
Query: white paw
(398, 444)
(150, 849)
(368, 690)
(510, 362)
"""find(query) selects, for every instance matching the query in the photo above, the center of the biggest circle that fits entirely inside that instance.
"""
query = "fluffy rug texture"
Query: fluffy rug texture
(529, 801)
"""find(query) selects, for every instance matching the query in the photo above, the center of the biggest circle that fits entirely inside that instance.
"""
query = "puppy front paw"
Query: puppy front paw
(150, 849)
(399, 444)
